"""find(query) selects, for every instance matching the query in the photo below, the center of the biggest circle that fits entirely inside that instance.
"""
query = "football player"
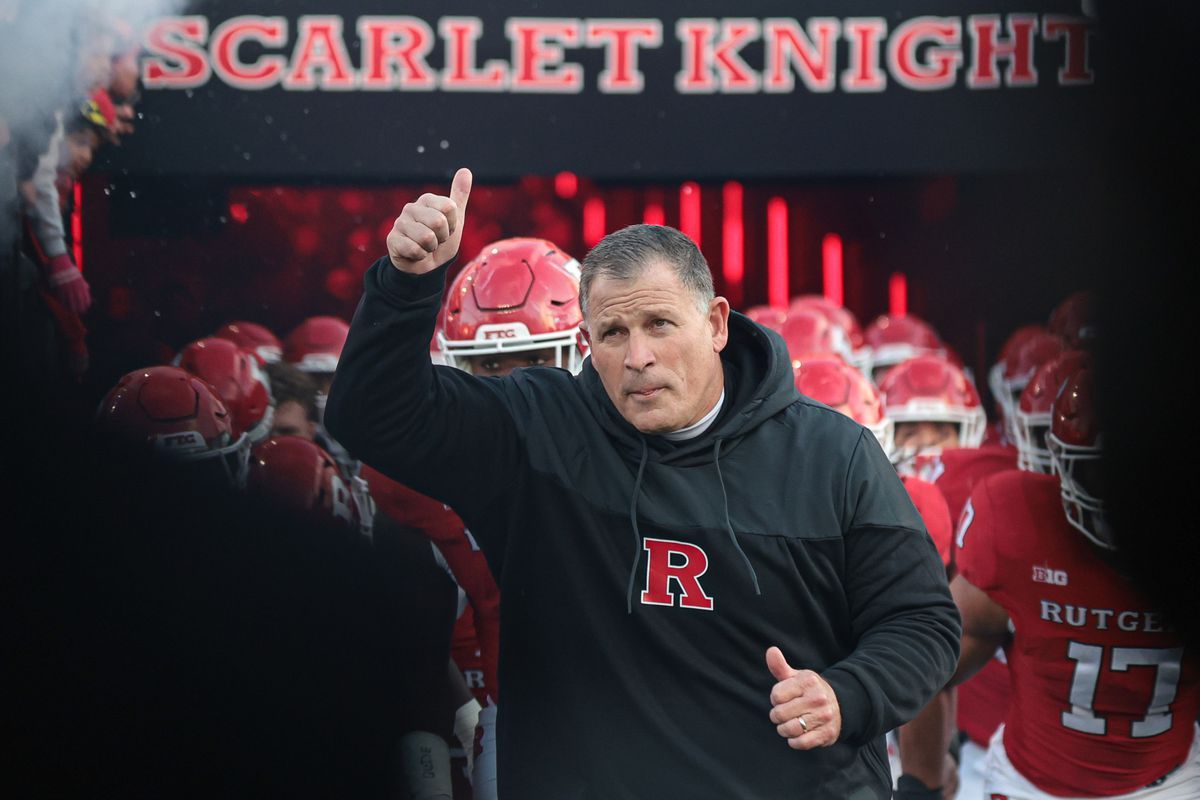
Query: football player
(843, 319)
(940, 426)
(179, 416)
(314, 346)
(1017, 365)
(828, 379)
(256, 339)
(892, 339)
(1031, 417)
(516, 304)
(1104, 693)
(807, 331)
(295, 395)
(300, 478)
(235, 374)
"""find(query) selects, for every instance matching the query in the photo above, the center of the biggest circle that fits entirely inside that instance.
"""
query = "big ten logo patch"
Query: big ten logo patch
(673, 572)
(1054, 577)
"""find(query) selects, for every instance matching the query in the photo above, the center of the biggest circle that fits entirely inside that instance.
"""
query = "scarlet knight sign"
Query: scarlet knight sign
(393, 91)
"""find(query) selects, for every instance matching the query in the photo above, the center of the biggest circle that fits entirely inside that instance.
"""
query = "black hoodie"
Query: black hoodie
(621, 681)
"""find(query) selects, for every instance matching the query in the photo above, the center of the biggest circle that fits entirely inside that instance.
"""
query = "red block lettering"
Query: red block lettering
(320, 48)
(394, 51)
(864, 35)
(537, 55)
(988, 49)
(1075, 69)
(811, 54)
(942, 57)
(705, 51)
(228, 38)
(620, 39)
(460, 72)
(177, 59)
(681, 562)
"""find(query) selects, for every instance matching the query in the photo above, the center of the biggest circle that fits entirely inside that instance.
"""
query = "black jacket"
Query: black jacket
(811, 542)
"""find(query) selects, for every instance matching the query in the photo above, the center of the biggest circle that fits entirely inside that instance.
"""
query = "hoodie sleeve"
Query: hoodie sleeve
(905, 623)
(436, 429)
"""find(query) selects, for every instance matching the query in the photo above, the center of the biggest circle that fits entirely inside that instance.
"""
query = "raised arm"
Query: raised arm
(438, 430)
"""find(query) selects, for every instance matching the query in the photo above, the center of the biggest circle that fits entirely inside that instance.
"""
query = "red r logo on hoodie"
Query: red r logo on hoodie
(683, 563)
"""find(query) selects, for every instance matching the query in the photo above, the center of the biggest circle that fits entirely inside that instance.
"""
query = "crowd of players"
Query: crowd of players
(1069, 684)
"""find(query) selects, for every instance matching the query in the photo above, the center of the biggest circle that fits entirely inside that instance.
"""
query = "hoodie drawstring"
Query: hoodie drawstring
(637, 534)
(728, 524)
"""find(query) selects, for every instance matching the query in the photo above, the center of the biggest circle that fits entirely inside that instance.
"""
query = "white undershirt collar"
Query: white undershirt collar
(697, 428)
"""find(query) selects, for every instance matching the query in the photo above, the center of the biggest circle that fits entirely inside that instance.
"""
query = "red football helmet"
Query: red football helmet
(830, 380)
(893, 339)
(517, 295)
(178, 415)
(1009, 377)
(929, 388)
(241, 385)
(1031, 418)
(768, 316)
(300, 476)
(1075, 442)
(254, 339)
(838, 315)
(1074, 319)
(315, 345)
(807, 331)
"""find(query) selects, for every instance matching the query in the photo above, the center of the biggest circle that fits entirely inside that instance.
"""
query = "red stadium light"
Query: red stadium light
(77, 226)
(653, 214)
(831, 267)
(777, 252)
(239, 213)
(566, 185)
(733, 242)
(898, 294)
(689, 211)
(594, 223)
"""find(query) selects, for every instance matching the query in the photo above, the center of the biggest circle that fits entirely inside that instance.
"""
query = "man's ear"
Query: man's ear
(587, 335)
(718, 319)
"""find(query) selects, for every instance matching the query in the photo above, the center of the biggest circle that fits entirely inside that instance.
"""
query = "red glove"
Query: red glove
(68, 284)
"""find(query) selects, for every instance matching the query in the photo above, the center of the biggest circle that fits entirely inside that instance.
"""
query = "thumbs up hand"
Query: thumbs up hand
(427, 233)
(804, 707)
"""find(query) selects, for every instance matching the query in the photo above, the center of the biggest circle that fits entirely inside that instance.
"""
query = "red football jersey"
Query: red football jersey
(956, 470)
(1104, 701)
(931, 505)
(445, 529)
(983, 700)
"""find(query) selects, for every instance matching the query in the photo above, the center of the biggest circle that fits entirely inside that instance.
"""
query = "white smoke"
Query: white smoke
(53, 52)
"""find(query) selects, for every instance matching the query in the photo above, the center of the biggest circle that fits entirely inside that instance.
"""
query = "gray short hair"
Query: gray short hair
(625, 253)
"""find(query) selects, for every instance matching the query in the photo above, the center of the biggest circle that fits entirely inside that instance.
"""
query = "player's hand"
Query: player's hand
(802, 693)
(427, 233)
(68, 284)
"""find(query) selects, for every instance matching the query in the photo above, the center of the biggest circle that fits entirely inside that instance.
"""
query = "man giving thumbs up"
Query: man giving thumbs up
(654, 524)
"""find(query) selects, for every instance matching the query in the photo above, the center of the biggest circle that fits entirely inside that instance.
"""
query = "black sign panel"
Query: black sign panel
(360, 91)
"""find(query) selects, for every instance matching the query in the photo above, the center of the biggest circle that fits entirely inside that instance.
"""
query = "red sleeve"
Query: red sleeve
(975, 555)
(935, 513)
(413, 509)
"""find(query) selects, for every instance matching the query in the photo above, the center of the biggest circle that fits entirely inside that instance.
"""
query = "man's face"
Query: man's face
(920, 436)
(292, 420)
(657, 354)
(500, 364)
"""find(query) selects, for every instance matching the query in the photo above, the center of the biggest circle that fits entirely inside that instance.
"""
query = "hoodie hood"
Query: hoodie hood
(758, 384)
